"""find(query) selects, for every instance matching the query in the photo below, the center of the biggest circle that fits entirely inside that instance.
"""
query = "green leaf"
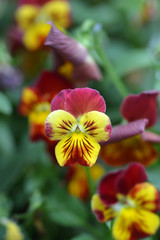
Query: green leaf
(132, 60)
(102, 13)
(5, 105)
(5, 206)
(83, 236)
(65, 209)
(7, 143)
(2, 232)
(67, 218)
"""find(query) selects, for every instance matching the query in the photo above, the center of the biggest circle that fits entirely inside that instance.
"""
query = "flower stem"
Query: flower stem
(90, 182)
(118, 83)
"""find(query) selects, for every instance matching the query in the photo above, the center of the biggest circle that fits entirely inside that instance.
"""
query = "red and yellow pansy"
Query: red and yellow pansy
(78, 122)
(35, 101)
(126, 196)
(131, 142)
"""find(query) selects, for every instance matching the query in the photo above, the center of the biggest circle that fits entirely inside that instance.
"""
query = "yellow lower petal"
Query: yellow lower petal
(77, 148)
(102, 212)
(96, 124)
(134, 223)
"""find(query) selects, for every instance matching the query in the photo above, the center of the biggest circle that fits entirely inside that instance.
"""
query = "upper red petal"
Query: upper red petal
(51, 83)
(134, 174)
(107, 187)
(83, 100)
(139, 106)
(121, 181)
(59, 101)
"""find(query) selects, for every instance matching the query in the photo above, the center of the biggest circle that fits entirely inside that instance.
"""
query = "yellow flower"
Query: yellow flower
(13, 231)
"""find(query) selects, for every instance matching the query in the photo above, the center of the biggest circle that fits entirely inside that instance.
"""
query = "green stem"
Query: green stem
(118, 83)
(90, 182)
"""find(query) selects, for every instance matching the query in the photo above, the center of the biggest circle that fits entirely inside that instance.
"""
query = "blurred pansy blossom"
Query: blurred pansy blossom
(13, 231)
(32, 17)
(77, 183)
(78, 121)
(10, 77)
(35, 101)
(74, 60)
(131, 142)
(126, 196)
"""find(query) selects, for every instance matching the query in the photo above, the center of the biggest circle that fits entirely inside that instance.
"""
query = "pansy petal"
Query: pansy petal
(128, 150)
(132, 175)
(102, 211)
(134, 224)
(87, 70)
(28, 100)
(58, 124)
(66, 47)
(151, 137)
(51, 83)
(77, 148)
(83, 100)
(59, 101)
(107, 187)
(139, 106)
(128, 130)
(97, 125)
(145, 195)
(37, 119)
(35, 36)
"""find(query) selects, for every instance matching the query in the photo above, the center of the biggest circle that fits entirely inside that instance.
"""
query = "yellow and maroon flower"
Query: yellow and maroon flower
(130, 142)
(126, 196)
(73, 56)
(77, 183)
(32, 17)
(78, 121)
(35, 102)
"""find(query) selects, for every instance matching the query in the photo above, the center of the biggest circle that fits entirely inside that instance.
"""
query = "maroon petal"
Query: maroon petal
(68, 49)
(151, 137)
(140, 106)
(107, 187)
(128, 130)
(87, 70)
(121, 181)
(83, 100)
(59, 101)
(33, 2)
(134, 174)
(51, 82)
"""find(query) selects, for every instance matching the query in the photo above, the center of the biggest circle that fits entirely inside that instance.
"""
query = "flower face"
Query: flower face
(126, 196)
(78, 121)
(32, 18)
(35, 102)
(140, 111)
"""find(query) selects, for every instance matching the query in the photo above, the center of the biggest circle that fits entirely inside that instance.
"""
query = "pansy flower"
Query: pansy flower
(77, 183)
(126, 196)
(32, 17)
(12, 230)
(10, 77)
(131, 142)
(78, 122)
(35, 101)
(75, 61)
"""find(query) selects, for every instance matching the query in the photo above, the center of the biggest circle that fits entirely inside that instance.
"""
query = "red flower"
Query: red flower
(141, 112)
(126, 195)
